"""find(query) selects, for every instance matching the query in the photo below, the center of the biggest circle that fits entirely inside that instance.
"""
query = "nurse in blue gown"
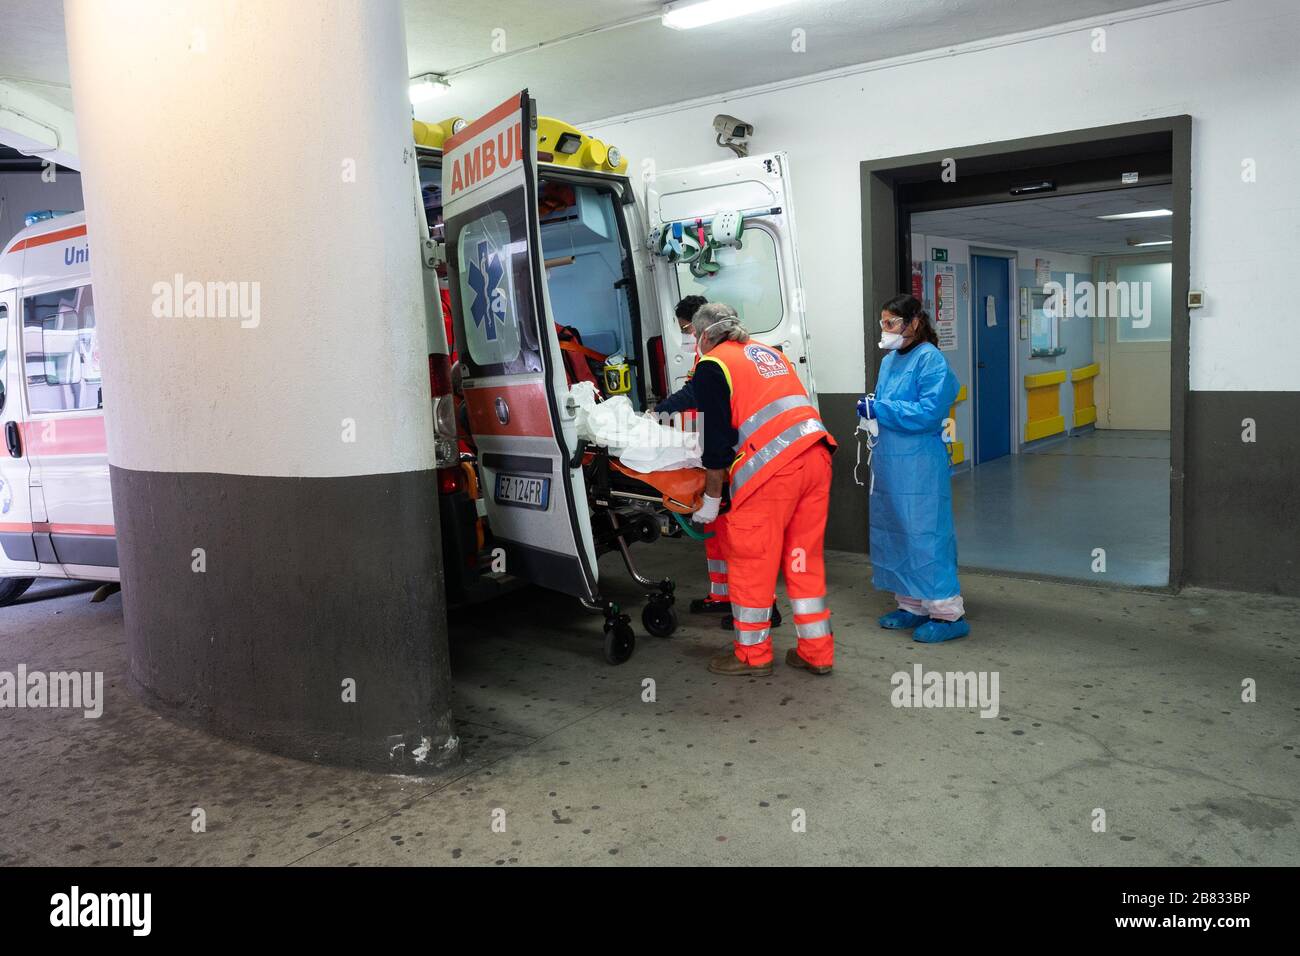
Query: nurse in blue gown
(913, 542)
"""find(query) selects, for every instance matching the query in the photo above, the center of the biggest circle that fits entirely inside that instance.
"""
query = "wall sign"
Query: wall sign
(945, 306)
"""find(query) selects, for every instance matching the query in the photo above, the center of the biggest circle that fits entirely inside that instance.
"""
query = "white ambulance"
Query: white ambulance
(56, 514)
(542, 234)
(545, 234)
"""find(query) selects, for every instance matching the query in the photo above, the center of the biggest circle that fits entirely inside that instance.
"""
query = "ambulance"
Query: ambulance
(546, 240)
(557, 267)
(56, 513)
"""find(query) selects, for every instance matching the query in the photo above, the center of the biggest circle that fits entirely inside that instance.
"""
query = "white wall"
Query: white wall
(1233, 66)
(21, 193)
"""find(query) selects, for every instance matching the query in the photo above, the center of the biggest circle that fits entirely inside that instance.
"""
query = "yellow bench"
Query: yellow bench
(1085, 404)
(1043, 400)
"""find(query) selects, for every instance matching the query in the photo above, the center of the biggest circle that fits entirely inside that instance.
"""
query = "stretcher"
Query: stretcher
(629, 507)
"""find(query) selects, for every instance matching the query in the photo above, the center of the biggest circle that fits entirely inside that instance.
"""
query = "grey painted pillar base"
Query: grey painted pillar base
(252, 602)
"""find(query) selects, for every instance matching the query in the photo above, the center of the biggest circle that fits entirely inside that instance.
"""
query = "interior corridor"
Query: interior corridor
(1045, 511)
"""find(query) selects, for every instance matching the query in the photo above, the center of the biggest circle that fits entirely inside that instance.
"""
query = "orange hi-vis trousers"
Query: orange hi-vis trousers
(717, 559)
(780, 528)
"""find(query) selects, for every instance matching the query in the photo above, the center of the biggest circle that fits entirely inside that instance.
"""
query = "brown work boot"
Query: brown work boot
(792, 659)
(729, 665)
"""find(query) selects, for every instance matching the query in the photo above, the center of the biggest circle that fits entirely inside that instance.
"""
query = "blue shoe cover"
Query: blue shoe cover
(900, 620)
(936, 632)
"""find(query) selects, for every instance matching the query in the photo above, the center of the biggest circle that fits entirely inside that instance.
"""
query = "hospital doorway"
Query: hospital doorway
(1052, 271)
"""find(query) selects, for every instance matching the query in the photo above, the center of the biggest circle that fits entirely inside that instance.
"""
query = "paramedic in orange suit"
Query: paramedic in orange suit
(682, 401)
(762, 437)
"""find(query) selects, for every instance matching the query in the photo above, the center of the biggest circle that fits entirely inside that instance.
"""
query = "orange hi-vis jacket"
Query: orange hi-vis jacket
(774, 418)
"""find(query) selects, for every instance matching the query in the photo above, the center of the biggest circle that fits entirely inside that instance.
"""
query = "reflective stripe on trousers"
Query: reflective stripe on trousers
(751, 623)
(778, 444)
(717, 578)
(812, 618)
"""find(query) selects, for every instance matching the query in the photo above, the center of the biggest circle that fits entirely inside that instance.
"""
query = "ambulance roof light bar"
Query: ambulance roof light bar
(682, 15)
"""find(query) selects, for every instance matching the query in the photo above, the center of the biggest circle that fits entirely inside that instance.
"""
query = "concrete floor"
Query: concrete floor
(1127, 701)
(1045, 511)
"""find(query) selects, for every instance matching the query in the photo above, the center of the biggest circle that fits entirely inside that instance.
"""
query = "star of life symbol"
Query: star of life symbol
(485, 274)
(767, 362)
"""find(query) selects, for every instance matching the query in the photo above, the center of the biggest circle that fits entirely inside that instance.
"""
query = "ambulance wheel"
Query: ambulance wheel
(620, 642)
(11, 589)
(659, 618)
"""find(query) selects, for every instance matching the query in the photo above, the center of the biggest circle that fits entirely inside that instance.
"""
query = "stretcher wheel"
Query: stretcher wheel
(620, 641)
(659, 618)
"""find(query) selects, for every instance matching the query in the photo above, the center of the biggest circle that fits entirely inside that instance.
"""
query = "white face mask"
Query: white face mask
(890, 341)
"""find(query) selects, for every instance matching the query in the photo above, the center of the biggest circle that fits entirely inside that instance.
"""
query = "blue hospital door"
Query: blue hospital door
(992, 321)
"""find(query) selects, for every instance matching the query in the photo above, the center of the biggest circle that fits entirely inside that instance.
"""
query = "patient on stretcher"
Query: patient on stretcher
(642, 447)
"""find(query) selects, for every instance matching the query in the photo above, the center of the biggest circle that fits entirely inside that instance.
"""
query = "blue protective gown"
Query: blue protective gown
(913, 542)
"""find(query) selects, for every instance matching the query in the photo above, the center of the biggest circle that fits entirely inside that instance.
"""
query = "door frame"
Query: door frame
(1099, 149)
(1013, 306)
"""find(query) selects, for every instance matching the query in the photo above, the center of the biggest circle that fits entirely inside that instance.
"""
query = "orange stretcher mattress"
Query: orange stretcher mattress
(682, 488)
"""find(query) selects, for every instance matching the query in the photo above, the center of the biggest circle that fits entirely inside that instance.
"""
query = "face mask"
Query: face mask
(890, 341)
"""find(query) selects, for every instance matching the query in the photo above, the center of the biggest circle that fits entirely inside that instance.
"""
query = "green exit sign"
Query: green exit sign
(940, 255)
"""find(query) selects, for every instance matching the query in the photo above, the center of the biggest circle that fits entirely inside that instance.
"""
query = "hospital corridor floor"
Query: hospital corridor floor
(1123, 700)
(1047, 511)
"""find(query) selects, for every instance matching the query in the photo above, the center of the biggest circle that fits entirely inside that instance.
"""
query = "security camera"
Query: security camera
(733, 133)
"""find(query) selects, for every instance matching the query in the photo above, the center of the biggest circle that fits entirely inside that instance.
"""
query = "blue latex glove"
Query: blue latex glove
(866, 408)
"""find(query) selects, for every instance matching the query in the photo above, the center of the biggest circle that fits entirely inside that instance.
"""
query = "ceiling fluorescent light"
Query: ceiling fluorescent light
(1154, 242)
(688, 16)
(426, 86)
(1140, 214)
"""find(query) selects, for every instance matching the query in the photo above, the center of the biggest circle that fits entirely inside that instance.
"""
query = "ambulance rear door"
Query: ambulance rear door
(514, 380)
(759, 278)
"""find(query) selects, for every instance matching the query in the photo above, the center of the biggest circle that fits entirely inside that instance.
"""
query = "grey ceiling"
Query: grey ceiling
(604, 72)
(1057, 223)
(33, 48)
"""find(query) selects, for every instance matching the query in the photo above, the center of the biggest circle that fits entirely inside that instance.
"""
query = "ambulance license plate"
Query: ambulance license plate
(522, 492)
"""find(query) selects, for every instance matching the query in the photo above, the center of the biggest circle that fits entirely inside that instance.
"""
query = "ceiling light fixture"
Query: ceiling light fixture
(1140, 214)
(1153, 242)
(687, 16)
(427, 86)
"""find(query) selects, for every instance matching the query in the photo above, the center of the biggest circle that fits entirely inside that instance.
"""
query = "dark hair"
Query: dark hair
(907, 308)
(686, 308)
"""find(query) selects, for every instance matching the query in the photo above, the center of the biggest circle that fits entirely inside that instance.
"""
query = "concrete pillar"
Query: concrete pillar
(251, 205)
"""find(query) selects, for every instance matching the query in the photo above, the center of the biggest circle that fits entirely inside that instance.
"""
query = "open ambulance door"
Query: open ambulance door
(514, 381)
(759, 278)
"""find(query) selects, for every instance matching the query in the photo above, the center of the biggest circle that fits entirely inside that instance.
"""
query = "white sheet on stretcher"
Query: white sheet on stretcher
(639, 441)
